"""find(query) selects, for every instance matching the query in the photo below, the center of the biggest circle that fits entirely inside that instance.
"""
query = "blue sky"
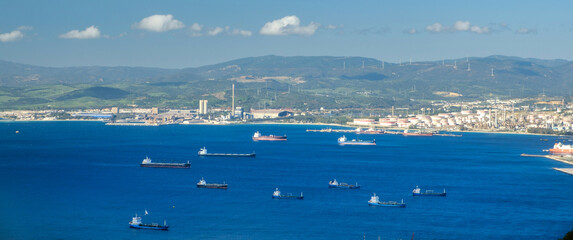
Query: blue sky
(178, 34)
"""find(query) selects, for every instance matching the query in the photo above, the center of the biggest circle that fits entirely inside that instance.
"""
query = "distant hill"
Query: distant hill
(275, 81)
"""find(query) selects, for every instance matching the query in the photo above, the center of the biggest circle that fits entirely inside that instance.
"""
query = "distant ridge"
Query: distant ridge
(298, 81)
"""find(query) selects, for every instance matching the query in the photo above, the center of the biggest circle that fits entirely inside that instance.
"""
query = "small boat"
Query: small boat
(336, 184)
(203, 153)
(418, 192)
(147, 163)
(136, 223)
(343, 141)
(258, 137)
(203, 184)
(277, 194)
(375, 201)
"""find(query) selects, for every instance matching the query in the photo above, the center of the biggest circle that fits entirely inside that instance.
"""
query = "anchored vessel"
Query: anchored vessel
(375, 201)
(343, 141)
(277, 194)
(203, 184)
(258, 137)
(136, 223)
(147, 163)
(562, 148)
(336, 184)
(418, 192)
(203, 153)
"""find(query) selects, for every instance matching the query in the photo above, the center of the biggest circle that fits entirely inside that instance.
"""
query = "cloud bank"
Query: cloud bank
(197, 30)
(526, 31)
(159, 23)
(89, 33)
(289, 25)
(459, 26)
(11, 36)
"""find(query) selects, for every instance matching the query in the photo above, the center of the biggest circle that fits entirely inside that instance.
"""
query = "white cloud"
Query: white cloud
(411, 31)
(11, 36)
(330, 26)
(159, 23)
(459, 26)
(215, 31)
(462, 25)
(436, 27)
(479, 30)
(196, 27)
(289, 25)
(197, 30)
(526, 31)
(239, 32)
(25, 28)
(88, 33)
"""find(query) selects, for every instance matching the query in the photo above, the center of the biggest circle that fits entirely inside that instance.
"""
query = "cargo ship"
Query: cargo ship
(203, 153)
(410, 133)
(562, 148)
(375, 201)
(147, 163)
(136, 223)
(203, 184)
(343, 141)
(418, 192)
(258, 137)
(277, 194)
(336, 184)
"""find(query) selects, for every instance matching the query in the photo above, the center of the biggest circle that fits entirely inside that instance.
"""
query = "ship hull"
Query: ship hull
(430, 194)
(400, 205)
(214, 186)
(227, 155)
(565, 151)
(358, 143)
(288, 197)
(166, 165)
(344, 186)
(152, 227)
(270, 138)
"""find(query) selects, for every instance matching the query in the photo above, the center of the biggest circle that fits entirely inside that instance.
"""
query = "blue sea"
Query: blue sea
(82, 180)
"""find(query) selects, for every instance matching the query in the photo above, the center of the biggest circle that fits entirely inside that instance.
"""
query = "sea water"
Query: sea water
(82, 180)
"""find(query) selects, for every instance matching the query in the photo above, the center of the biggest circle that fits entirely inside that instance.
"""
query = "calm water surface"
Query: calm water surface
(82, 180)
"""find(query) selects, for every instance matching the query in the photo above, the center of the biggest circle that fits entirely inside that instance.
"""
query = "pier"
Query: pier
(561, 158)
(565, 170)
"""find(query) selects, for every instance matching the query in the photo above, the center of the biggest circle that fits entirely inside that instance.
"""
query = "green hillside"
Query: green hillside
(275, 81)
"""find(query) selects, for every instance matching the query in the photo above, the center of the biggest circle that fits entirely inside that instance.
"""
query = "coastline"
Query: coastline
(268, 123)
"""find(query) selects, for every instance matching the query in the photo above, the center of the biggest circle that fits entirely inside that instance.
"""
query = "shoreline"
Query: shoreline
(484, 131)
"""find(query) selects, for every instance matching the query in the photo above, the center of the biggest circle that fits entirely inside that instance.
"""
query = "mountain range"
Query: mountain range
(276, 81)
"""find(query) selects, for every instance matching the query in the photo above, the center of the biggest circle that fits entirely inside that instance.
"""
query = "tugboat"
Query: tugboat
(136, 223)
(418, 192)
(258, 137)
(203, 153)
(203, 184)
(336, 184)
(375, 201)
(343, 141)
(277, 194)
(147, 163)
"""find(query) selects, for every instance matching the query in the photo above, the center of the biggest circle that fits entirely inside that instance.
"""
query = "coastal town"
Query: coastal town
(514, 115)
